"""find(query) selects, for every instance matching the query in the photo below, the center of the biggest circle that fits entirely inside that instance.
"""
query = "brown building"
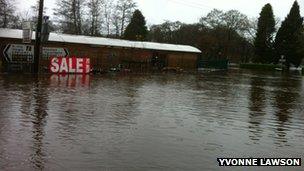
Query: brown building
(104, 53)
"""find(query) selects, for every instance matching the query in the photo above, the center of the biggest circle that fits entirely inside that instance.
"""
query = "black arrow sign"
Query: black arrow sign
(66, 52)
(6, 54)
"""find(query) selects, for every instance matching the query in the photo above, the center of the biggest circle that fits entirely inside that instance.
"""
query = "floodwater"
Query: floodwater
(149, 121)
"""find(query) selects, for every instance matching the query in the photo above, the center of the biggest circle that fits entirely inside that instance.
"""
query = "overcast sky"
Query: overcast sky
(189, 11)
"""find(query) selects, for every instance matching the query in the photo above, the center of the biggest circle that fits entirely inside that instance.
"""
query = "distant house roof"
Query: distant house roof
(57, 37)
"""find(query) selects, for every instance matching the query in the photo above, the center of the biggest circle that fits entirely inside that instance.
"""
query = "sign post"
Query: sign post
(19, 53)
(26, 32)
(45, 32)
(38, 38)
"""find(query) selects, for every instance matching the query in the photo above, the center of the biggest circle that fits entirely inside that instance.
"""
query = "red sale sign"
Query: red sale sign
(70, 65)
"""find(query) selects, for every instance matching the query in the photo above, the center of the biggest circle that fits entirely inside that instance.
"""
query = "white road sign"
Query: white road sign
(48, 52)
(27, 32)
(19, 53)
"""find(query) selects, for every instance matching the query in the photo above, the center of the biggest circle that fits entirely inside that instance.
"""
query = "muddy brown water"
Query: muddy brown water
(149, 121)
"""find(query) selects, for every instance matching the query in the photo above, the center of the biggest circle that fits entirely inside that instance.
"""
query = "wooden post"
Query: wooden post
(38, 38)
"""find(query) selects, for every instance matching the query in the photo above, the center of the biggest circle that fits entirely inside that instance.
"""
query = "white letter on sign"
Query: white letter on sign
(54, 65)
(71, 69)
(64, 66)
(88, 65)
(79, 65)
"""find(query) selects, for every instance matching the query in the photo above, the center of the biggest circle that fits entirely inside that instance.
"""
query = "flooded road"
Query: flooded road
(149, 121)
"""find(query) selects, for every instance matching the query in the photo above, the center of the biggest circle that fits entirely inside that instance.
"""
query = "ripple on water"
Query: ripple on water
(148, 121)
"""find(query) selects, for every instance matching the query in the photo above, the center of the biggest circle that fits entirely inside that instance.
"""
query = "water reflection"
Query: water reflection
(40, 101)
(71, 92)
(70, 80)
(257, 100)
(124, 107)
(286, 97)
(25, 98)
(144, 122)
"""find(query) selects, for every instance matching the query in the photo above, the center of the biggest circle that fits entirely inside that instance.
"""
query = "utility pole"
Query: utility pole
(38, 38)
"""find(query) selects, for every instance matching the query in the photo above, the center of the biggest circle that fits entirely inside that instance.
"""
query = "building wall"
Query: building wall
(182, 60)
(104, 58)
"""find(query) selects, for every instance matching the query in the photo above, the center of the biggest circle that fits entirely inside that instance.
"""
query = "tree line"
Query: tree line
(232, 35)
(284, 45)
(81, 17)
(219, 34)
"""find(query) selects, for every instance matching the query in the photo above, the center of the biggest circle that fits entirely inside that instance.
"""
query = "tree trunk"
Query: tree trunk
(123, 20)
(74, 30)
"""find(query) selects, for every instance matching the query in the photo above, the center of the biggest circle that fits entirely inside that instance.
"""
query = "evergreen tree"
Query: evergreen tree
(288, 39)
(122, 15)
(297, 60)
(264, 37)
(137, 29)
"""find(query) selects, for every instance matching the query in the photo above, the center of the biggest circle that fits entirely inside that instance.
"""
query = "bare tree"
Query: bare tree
(235, 20)
(108, 9)
(252, 29)
(94, 17)
(7, 10)
(213, 19)
(69, 15)
(232, 20)
(122, 15)
(116, 25)
(34, 14)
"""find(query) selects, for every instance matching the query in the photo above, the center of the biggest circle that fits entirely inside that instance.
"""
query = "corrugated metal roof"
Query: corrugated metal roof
(99, 41)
